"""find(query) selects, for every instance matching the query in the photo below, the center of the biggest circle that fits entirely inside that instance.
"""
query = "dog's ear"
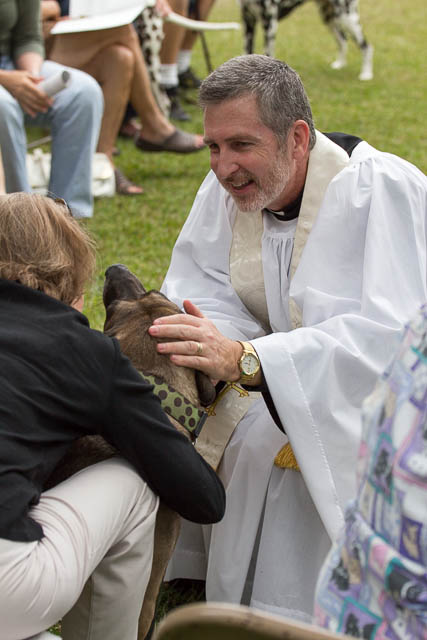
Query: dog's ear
(205, 388)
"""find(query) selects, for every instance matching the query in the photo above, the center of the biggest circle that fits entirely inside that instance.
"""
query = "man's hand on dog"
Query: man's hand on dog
(197, 344)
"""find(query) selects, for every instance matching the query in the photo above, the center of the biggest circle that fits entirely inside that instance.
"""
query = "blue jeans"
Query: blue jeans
(74, 121)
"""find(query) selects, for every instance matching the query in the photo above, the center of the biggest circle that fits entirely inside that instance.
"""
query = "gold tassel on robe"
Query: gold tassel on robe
(285, 459)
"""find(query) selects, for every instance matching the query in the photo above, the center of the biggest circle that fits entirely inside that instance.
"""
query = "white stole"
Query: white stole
(325, 161)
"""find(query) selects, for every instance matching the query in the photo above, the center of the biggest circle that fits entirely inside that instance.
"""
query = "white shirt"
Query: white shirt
(362, 274)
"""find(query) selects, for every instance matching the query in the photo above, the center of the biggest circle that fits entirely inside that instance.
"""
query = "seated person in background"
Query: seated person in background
(198, 10)
(374, 581)
(176, 51)
(73, 115)
(61, 380)
(113, 57)
(173, 36)
(317, 316)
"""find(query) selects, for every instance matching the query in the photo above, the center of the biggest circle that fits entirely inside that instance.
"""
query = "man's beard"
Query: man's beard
(267, 192)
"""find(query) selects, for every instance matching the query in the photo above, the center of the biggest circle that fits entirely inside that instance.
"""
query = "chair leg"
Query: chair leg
(203, 40)
(40, 141)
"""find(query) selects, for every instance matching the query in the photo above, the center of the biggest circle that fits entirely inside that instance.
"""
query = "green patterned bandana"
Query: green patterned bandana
(176, 405)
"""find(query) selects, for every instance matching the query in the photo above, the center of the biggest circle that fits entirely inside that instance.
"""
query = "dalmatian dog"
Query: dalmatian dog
(341, 16)
(149, 27)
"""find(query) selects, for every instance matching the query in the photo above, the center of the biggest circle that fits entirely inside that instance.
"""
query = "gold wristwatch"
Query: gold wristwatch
(249, 363)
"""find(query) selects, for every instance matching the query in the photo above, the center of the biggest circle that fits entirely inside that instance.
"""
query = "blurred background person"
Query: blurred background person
(374, 581)
(73, 115)
(113, 57)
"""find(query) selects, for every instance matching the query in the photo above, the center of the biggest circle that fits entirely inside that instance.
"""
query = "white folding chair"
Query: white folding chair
(217, 621)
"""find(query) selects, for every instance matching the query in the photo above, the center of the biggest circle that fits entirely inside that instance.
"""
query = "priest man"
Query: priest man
(302, 258)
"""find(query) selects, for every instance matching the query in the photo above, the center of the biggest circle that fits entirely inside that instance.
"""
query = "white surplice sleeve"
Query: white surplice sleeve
(361, 276)
(200, 264)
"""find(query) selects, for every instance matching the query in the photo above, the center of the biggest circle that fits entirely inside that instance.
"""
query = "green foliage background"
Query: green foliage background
(388, 112)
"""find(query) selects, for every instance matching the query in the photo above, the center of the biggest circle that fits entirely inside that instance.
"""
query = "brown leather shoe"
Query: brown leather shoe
(178, 142)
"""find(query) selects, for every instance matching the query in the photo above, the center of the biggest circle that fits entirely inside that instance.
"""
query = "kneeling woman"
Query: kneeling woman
(81, 551)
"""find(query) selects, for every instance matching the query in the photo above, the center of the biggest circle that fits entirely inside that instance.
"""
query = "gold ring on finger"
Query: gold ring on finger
(199, 348)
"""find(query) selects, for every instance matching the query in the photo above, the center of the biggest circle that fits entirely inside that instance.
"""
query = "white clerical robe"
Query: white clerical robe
(361, 275)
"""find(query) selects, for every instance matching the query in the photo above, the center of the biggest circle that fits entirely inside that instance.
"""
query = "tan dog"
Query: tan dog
(130, 311)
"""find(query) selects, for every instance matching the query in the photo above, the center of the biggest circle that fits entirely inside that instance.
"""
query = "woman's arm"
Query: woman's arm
(50, 10)
(26, 35)
(136, 425)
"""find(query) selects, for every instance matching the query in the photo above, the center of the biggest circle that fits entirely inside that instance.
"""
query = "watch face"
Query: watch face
(250, 364)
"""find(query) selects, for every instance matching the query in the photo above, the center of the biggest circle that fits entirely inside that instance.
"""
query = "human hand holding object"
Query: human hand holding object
(163, 8)
(23, 86)
(54, 84)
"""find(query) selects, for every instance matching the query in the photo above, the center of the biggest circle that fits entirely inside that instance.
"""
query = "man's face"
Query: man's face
(245, 155)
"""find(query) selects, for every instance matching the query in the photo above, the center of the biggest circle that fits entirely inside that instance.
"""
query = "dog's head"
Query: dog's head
(130, 311)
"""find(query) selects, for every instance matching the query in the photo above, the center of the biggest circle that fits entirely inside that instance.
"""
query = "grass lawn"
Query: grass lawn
(388, 112)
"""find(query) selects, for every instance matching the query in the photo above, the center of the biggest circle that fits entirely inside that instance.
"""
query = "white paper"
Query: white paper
(87, 8)
(56, 83)
(93, 15)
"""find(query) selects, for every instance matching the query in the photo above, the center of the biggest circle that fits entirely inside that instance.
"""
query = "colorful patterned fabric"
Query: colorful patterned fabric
(374, 581)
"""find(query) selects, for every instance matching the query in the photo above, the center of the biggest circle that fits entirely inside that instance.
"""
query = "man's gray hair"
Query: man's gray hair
(279, 92)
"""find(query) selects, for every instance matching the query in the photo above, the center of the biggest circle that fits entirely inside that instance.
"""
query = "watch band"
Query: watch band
(248, 350)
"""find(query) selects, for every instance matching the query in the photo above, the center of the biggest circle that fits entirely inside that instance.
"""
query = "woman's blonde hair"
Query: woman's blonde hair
(43, 247)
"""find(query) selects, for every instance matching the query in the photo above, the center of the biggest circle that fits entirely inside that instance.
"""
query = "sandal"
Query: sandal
(129, 129)
(178, 142)
(124, 186)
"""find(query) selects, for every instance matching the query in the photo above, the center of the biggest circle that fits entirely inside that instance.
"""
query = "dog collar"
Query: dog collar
(176, 405)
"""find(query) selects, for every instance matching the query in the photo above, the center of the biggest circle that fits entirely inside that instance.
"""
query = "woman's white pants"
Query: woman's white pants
(92, 566)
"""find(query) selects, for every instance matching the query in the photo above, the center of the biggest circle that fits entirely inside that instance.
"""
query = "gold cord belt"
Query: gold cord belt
(285, 459)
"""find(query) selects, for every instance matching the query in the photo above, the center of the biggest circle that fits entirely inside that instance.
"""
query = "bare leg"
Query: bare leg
(83, 49)
(155, 125)
(173, 35)
(186, 76)
(204, 7)
(113, 68)
(171, 46)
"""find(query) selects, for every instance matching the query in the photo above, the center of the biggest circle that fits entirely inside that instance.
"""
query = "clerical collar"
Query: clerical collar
(288, 213)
